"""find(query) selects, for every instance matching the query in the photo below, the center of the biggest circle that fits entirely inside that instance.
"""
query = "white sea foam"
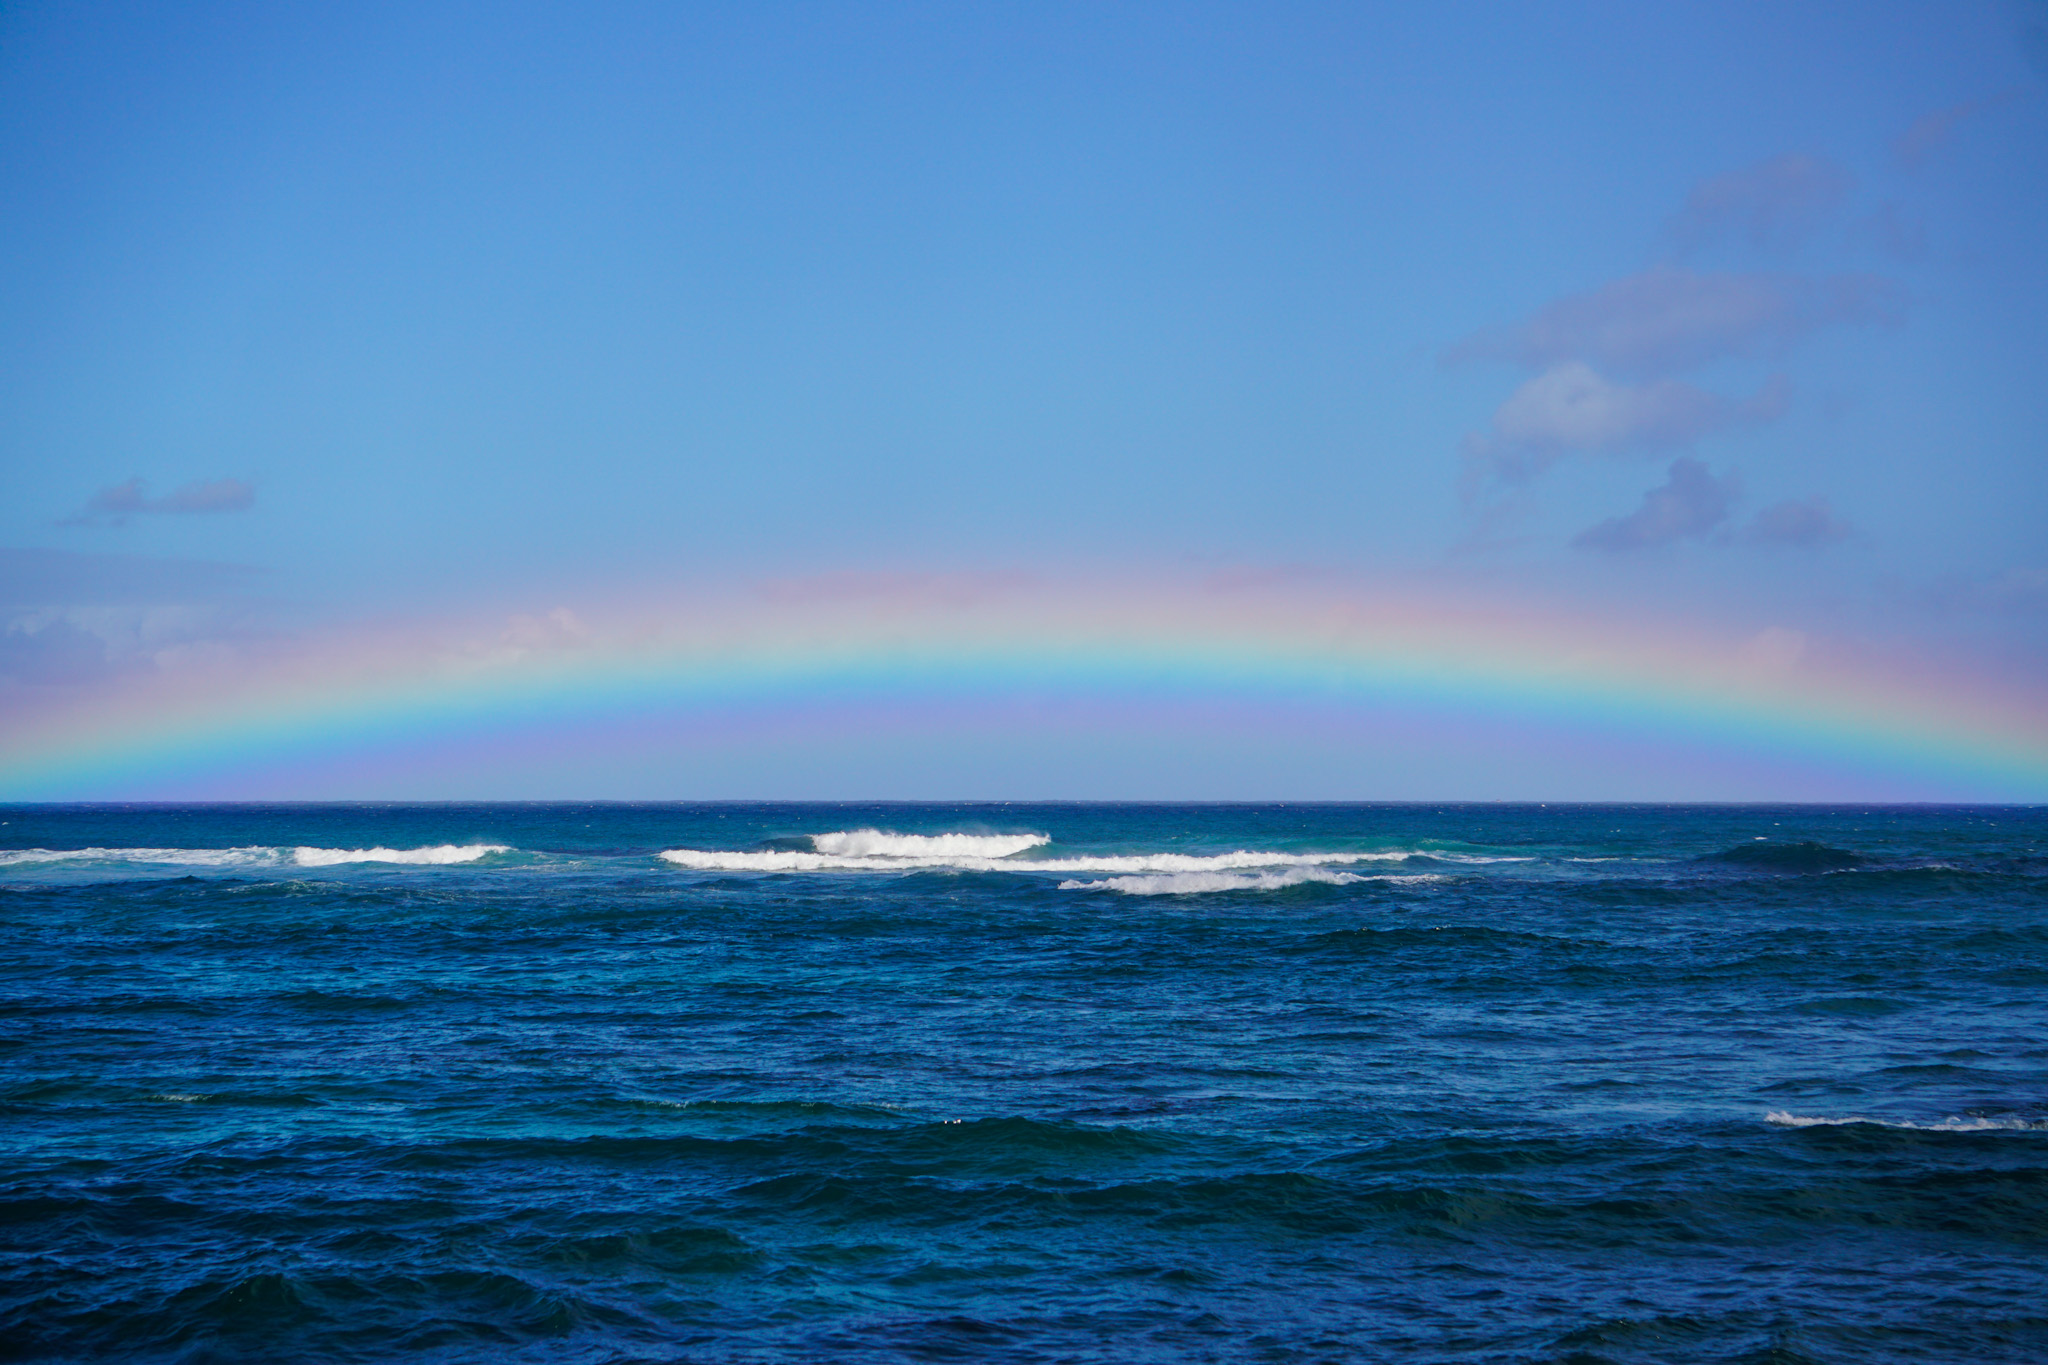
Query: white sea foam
(438, 854)
(1142, 874)
(251, 856)
(175, 857)
(715, 860)
(875, 843)
(1191, 883)
(1951, 1124)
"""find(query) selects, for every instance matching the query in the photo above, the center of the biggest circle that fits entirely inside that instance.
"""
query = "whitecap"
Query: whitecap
(719, 860)
(251, 856)
(437, 854)
(873, 850)
(174, 857)
(875, 843)
(1951, 1124)
(1190, 883)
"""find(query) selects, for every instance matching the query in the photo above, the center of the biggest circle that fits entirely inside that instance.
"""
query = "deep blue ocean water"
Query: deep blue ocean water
(1090, 1083)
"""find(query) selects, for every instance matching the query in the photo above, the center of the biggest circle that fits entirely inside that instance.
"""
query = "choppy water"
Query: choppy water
(1087, 1083)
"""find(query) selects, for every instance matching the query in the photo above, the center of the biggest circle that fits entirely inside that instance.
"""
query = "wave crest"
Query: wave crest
(1952, 1124)
(875, 843)
(254, 856)
(173, 857)
(1192, 883)
(437, 854)
(718, 860)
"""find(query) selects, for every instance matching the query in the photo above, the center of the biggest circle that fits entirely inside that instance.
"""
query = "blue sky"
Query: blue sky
(1725, 310)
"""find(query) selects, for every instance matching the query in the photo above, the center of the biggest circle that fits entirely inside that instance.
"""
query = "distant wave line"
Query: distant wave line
(254, 855)
(1951, 1124)
(873, 850)
(1196, 883)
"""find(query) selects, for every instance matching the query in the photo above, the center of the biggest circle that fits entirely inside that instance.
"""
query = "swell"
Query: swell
(1452, 938)
(616, 1112)
(1805, 855)
(1035, 1180)
(469, 1243)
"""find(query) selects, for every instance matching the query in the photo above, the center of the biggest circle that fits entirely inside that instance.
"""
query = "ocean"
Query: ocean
(967, 1082)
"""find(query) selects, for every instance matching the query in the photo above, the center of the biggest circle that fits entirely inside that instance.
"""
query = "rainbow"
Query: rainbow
(1367, 695)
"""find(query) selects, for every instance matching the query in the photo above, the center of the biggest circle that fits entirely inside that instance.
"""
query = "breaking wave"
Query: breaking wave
(870, 850)
(874, 843)
(171, 857)
(1951, 1124)
(438, 854)
(251, 856)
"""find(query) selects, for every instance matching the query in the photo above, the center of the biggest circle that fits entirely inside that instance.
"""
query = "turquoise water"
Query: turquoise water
(1080, 1083)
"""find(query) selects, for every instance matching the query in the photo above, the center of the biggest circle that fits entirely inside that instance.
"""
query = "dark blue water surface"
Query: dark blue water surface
(1178, 1083)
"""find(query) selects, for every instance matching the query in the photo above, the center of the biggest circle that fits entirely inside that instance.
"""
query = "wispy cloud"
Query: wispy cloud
(2018, 590)
(69, 618)
(1690, 503)
(1669, 319)
(1608, 363)
(1930, 132)
(1572, 409)
(1804, 522)
(1774, 205)
(42, 578)
(51, 651)
(114, 505)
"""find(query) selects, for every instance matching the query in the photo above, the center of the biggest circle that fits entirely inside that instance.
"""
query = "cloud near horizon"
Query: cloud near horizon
(71, 618)
(116, 504)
